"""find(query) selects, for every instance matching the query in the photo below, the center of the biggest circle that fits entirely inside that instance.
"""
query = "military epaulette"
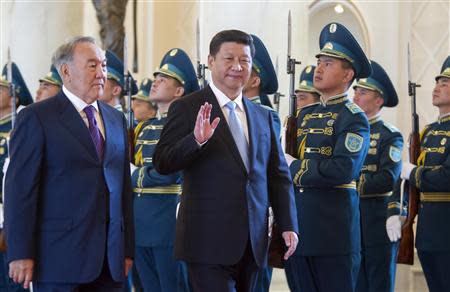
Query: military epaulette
(353, 108)
(390, 127)
(424, 131)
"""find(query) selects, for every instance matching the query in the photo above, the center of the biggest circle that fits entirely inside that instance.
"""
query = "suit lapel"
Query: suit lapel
(252, 123)
(112, 130)
(223, 131)
(75, 125)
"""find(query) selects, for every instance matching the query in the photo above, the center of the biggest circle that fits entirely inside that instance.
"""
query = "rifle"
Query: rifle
(135, 55)
(277, 95)
(200, 67)
(406, 248)
(127, 89)
(291, 125)
(277, 247)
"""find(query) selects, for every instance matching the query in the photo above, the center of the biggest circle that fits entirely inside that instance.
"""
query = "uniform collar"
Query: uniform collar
(334, 99)
(375, 118)
(160, 115)
(255, 99)
(5, 119)
(444, 118)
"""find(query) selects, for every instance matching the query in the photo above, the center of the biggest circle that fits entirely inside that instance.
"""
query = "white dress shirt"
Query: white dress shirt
(222, 99)
(80, 104)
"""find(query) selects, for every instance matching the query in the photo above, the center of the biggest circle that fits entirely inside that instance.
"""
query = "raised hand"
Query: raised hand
(204, 129)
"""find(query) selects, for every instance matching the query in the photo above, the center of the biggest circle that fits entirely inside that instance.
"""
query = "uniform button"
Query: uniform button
(139, 195)
(301, 190)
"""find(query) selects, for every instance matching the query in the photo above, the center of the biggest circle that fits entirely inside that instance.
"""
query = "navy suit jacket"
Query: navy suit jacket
(65, 208)
(223, 205)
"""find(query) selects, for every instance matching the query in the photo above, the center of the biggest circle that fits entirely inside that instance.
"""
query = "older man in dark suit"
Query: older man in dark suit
(230, 165)
(68, 211)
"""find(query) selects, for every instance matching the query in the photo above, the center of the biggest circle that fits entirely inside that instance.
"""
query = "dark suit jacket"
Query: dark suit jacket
(58, 194)
(222, 205)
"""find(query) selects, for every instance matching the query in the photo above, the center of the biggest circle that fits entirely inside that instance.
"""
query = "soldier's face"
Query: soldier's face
(142, 110)
(165, 89)
(112, 90)
(305, 98)
(231, 67)
(85, 76)
(5, 99)
(46, 90)
(331, 76)
(368, 100)
(441, 92)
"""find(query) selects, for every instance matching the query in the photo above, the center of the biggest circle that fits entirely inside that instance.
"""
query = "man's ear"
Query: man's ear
(210, 60)
(179, 92)
(255, 81)
(65, 72)
(349, 73)
(117, 90)
(379, 101)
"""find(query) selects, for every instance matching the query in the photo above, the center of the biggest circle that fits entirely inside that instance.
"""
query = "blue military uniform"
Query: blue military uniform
(24, 98)
(115, 71)
(380, 172)
(291, 266)
(156, 195)
(431, 177)
(334, 140)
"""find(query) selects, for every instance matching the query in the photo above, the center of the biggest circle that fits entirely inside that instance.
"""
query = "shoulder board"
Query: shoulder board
(424, 131)
(353, 108)
(390, 127)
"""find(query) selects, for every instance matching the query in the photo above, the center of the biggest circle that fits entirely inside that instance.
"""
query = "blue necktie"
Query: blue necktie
(96, 136)
(238, 133)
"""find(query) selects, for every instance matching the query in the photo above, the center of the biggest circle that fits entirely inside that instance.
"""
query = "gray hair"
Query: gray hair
(64, 53)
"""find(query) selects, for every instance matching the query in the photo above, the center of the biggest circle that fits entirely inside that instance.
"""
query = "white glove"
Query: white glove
(5, 165)
(394, 228)
(289, 158)
(407, 167)
(176, 212)
(132, 168)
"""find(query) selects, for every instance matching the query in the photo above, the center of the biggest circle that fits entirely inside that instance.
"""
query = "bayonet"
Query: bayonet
(277, 95)
(200, 67)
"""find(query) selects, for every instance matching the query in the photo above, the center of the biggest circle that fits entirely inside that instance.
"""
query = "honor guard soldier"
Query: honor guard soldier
(115, 83)
(263, 80)
(431, 177)
(49, 85)
(23, 98)
(143, 108)
(156, 195)
(307, 98)
(380, 172)
(334, 140)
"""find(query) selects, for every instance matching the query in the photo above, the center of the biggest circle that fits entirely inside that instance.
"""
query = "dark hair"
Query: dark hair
(346, 65)
(233, 36)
